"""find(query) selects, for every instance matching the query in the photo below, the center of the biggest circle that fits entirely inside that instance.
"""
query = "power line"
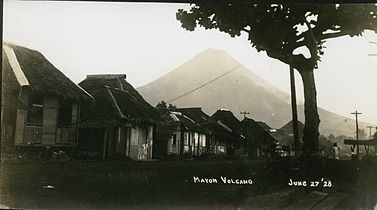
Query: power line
(193, 90)
(198, 83)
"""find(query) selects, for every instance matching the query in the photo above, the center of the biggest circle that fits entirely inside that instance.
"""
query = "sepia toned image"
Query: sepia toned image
(153, 105)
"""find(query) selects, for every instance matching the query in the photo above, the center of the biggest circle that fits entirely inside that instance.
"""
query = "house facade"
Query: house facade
(260, 143)
(184, 135)
(120, 124)
(220, 135)
(40, 106)
(237, 143)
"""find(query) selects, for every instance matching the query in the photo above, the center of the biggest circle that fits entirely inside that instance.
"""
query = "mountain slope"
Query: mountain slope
(213, 79)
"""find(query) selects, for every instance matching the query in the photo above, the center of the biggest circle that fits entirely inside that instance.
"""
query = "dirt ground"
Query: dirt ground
(170, 184)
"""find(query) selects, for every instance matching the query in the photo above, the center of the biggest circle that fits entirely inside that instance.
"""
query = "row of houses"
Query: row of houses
(105, 117)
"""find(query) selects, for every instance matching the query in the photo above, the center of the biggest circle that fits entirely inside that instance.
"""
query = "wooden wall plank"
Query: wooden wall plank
(50, 114)
(21, 119)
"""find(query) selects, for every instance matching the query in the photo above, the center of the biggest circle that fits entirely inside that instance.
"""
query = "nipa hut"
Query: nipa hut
(260, 143)
(40, 105)
(227, 120)
(120, 124)
(220, 135)
(183, 136)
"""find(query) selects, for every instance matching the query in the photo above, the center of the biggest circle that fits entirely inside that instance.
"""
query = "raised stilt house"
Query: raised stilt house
(120, 124)
(40, 105)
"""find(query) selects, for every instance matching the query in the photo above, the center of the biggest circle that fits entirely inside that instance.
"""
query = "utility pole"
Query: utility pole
(294, 111)
(244, 114)
(357, 131)
(370, 131)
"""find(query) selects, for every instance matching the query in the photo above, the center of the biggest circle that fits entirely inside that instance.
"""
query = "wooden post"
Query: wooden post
(357, 131)
(244, 113)
(294, 111)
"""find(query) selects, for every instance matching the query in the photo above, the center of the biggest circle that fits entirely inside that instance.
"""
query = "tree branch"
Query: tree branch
(246, 30)
(332, 35)
(312, 45)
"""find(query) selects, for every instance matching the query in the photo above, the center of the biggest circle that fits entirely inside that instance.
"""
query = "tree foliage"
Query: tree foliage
(275, 28)
(162, 107)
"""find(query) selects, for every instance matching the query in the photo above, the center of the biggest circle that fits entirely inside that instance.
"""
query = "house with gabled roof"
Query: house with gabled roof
(260, 143)
(237, 143)
(183, 135)
(40, 105)
(120, 123)
(220, 137)
(264, 125)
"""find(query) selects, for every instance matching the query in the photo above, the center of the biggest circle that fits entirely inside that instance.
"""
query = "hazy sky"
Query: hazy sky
(145, 41)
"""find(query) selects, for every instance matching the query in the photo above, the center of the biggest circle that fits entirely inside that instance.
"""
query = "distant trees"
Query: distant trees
(282, 30)
(163, 108)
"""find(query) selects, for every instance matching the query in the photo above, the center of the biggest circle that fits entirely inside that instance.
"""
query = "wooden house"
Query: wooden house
(237, 143)
(260, 143)
(183, 135)
(120, 124)
(220, 135)
(40, 105)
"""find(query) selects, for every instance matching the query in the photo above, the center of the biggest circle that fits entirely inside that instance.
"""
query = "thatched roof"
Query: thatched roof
(285, 134)
(174, 120)
(255, 132)
(35, 72)
(197, 114)
(264, 125)
(289, 126)
(188, 123)
(227, 118)
(117, 102)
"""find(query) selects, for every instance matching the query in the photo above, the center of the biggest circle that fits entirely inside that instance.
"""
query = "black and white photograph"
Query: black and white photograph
(188, 105)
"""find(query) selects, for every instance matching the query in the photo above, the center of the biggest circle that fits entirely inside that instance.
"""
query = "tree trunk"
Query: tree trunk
(310, 138)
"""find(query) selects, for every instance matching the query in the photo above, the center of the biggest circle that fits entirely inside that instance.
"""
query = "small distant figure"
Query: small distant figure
(336, 151)
(353, 153)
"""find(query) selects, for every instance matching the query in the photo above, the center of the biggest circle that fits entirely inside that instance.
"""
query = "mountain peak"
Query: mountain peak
(213, 79)
(211, 49)
(215, 53)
